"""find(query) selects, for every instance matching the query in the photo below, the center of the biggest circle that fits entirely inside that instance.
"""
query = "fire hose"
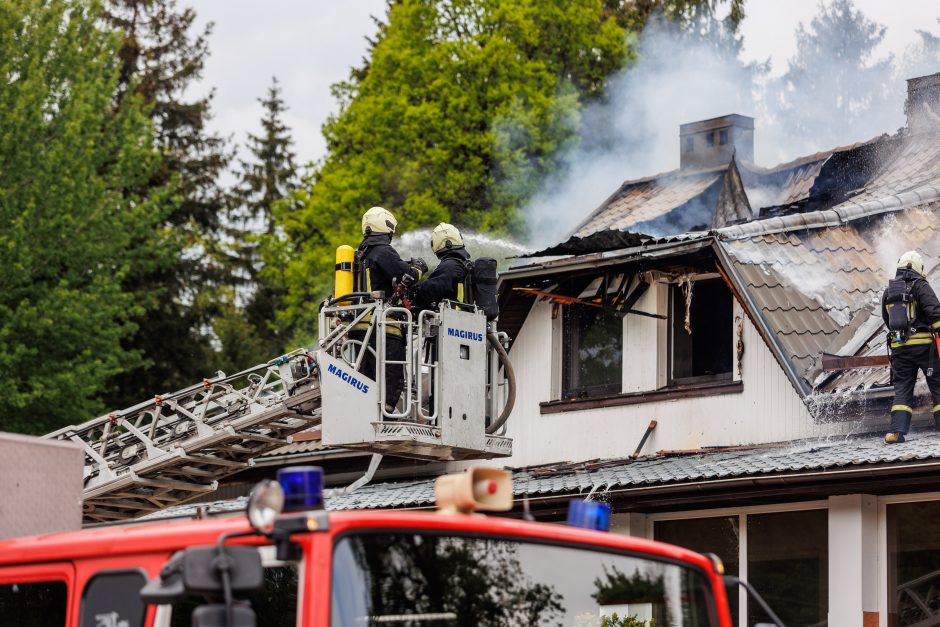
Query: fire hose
(510, 378)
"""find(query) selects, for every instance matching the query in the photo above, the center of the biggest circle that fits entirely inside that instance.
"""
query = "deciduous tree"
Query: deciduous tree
(456, 97)
(73, 219)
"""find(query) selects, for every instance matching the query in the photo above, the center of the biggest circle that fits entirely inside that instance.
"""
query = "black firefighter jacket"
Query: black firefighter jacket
(927, 315)
(381, 263)
(445, 282)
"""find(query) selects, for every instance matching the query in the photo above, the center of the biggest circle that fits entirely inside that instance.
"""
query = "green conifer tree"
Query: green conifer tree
(250, 334)
(161, 56)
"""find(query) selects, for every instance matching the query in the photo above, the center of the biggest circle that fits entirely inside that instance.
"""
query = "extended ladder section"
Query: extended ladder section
(177, 446)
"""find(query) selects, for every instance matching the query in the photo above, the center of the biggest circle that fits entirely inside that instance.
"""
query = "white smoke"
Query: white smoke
(635, 131)
(682, 76)
(417, 243)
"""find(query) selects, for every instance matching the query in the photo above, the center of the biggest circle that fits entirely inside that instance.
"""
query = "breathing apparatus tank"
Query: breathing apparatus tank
(344, 282)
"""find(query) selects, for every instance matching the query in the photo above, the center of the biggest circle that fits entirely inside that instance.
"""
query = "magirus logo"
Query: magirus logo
(362, 386)
(465, 335)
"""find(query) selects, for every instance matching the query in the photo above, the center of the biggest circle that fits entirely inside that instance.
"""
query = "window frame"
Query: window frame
(742, 513)
(568, 360)
(882, 548)
(38, 573)
(522, 539)
(671, 324)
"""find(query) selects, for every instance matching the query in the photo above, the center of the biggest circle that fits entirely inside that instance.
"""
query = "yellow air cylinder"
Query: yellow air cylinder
(344, 271)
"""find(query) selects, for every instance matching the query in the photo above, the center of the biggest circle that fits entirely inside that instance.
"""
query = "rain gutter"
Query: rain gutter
(844, 213)
(752, 481)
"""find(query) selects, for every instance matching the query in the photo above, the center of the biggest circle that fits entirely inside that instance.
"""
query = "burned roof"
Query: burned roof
(817, 278)
(673, 202)
(663, 206)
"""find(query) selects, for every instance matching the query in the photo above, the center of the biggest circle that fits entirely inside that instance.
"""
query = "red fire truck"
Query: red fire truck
(289, 562)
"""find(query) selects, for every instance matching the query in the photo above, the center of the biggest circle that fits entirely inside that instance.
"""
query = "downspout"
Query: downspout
(757, 316)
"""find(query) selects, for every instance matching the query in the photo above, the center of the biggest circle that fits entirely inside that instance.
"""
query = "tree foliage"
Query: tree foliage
(248, 334)
(456, 97)
(72, 219)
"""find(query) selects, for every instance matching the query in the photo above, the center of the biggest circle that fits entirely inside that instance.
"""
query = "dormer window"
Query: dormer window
(700, 332)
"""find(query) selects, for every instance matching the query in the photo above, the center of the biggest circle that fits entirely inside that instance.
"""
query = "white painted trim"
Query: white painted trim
(910, 498)
(735, 511)
(882, 562)
(557, 349)
(742, 569)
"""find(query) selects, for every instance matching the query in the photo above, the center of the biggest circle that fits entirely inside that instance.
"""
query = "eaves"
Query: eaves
(600, 260)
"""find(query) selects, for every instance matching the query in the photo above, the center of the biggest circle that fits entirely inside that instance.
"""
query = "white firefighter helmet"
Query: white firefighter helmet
(912, 259)
(378, 220)
(444, 237)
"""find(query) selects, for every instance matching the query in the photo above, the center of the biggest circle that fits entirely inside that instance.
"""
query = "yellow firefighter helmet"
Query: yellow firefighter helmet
(444, 237)
(912, 259)
(378, 220)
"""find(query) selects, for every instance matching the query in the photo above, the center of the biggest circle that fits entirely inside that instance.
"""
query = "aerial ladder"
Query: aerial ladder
(458, 391)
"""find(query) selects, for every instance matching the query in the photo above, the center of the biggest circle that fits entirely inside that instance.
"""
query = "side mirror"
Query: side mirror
(168, 586)
(203, 568)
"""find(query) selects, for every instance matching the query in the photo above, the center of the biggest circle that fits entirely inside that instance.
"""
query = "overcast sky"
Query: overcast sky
(311, 44)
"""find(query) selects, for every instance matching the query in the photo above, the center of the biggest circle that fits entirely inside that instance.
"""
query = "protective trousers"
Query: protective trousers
(905, 362)
(394, 373)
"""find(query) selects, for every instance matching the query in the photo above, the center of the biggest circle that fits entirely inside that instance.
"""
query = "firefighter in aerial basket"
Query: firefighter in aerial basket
(379, 267)
(911, 312)
(450, 279)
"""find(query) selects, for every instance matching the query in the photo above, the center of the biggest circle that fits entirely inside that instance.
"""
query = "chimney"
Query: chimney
(923, 103)
(710, 143)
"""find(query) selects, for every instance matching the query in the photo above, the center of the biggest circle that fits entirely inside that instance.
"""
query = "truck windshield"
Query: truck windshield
(422, 579)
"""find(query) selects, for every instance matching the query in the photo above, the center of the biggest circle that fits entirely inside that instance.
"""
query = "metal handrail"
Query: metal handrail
(405, 325)
(426, 315)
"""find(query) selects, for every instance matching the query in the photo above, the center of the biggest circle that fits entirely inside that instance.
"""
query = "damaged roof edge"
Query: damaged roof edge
(771, 338)
(659, 251)
(572, 263)
(847, 212)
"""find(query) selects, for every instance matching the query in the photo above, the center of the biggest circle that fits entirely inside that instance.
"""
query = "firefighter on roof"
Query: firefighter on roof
(381, 268)
(449, 279)
(911, 312)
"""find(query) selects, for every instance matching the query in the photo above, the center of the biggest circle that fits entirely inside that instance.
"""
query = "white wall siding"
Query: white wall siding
(768, 409)
(640, 337)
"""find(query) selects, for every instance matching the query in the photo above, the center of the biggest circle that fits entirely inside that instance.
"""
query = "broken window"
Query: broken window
(592, 355)
(723, 137)
(710, 138)
(701, 332)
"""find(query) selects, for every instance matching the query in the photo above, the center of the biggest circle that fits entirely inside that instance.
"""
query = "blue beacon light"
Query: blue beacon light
(589, 515)
(303, 487)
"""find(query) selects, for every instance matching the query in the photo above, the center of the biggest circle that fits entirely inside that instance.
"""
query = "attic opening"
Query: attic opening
(700, 332)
